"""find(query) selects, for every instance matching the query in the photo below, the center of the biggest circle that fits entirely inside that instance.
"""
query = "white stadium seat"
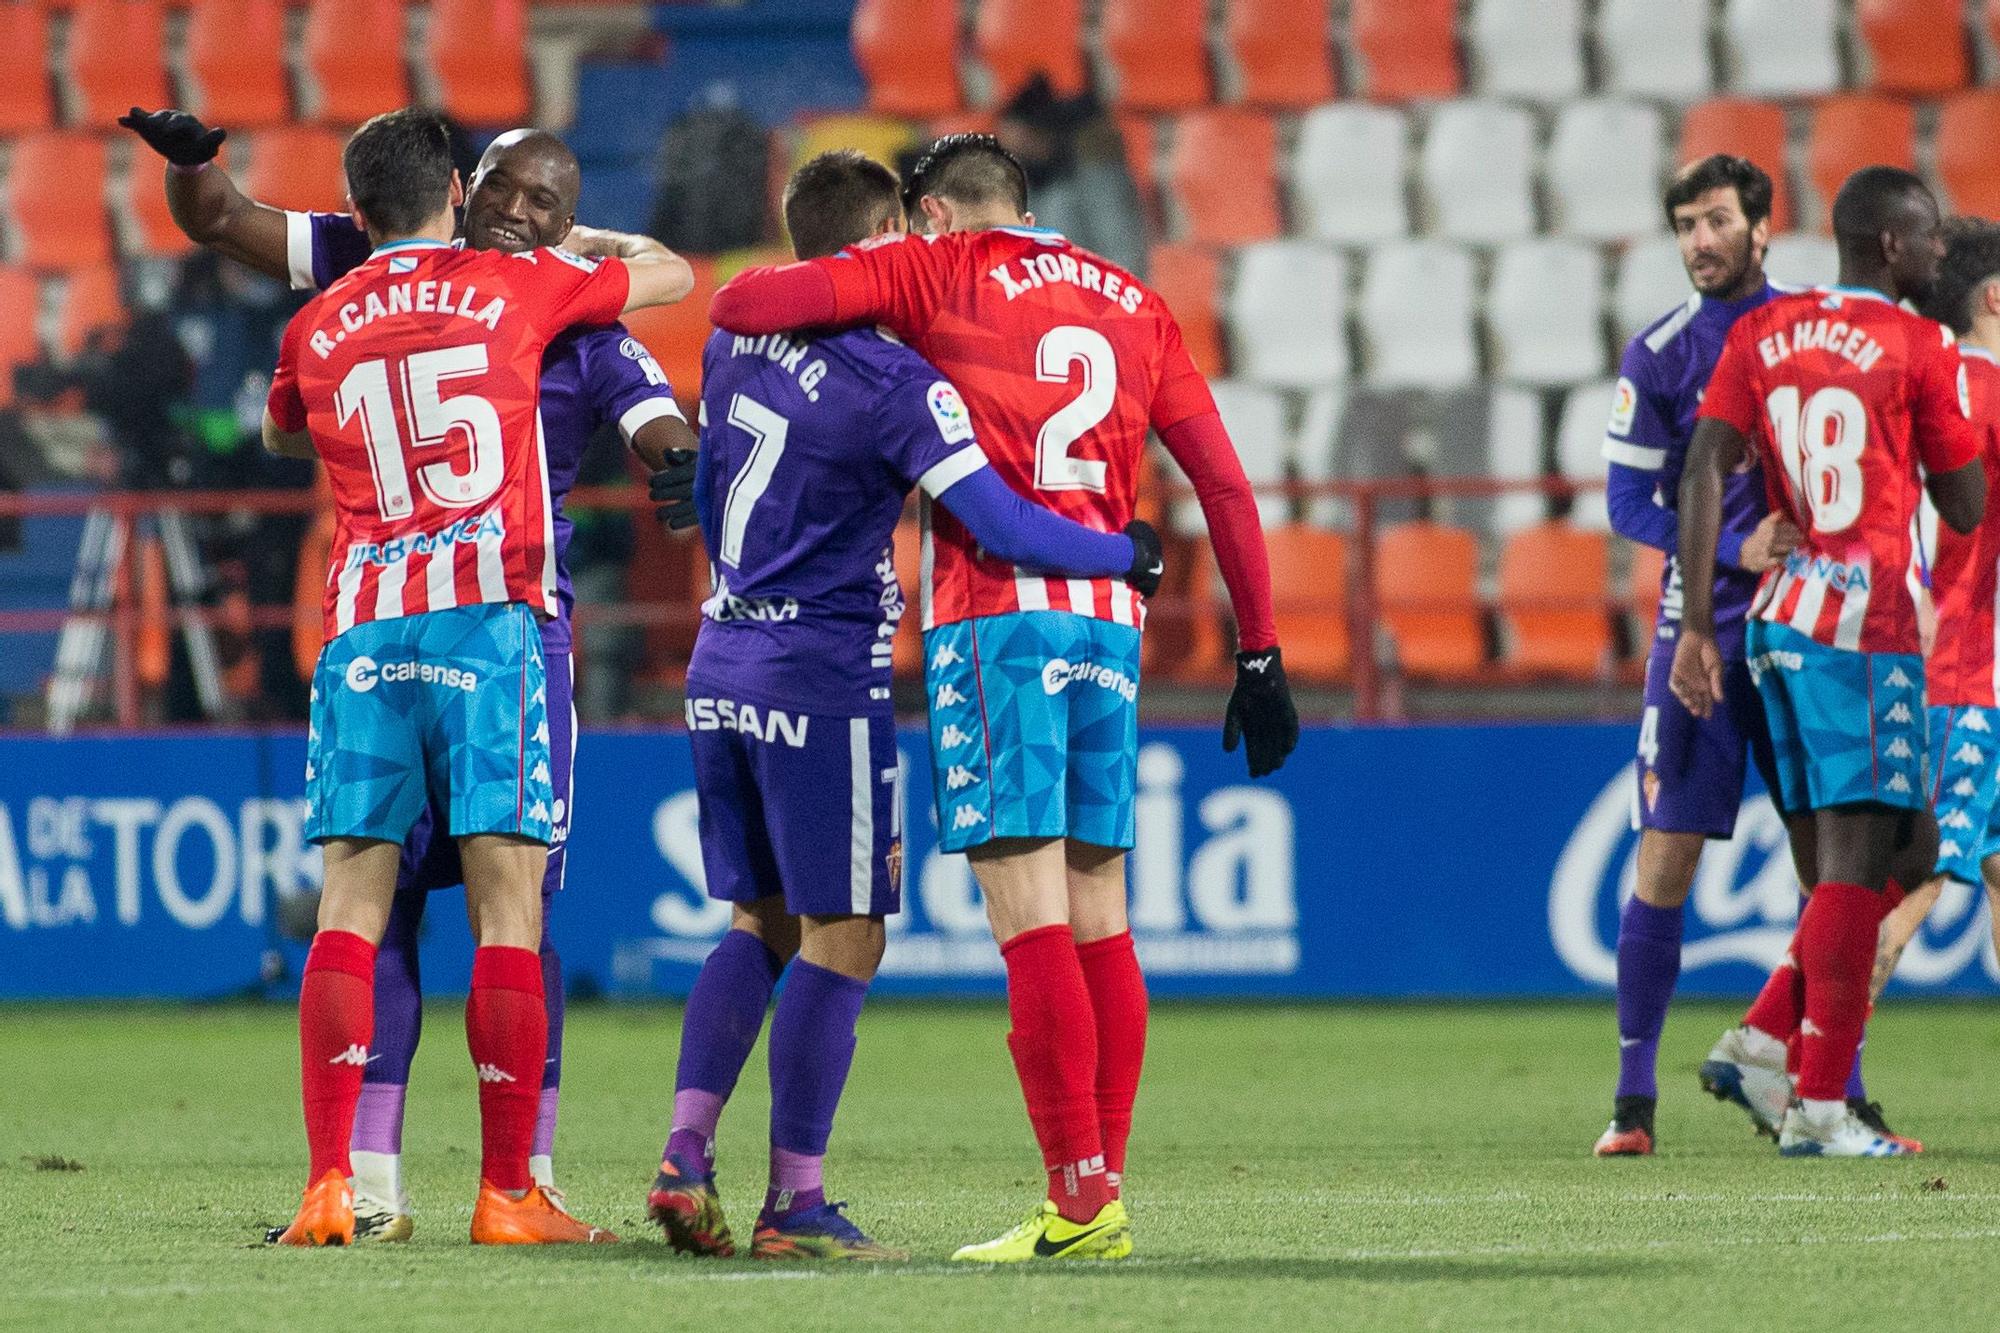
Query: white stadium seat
(1416, 316)
(1514, 453)
(1605, 166)
(1316, 450)
(1802, 259)
(1288, 314)
(1255, 418)
(1544, 311)
(1651, 281)
(1580, 447)
(1782, 48)
(1478, 171)
(1531, 49)
(1348, 171)
(1655, 48)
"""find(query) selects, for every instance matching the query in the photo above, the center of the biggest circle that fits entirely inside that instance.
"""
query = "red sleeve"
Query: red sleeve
(1941, 411)
(1731, 397)
(893, 279)
(284, 404)
(774, 298)
(1202, 448)
(1182, 391)
(568, 289)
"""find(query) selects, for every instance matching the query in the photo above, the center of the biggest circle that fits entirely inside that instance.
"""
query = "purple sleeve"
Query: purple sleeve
(621, 380)
(320, 247)
(1027, 534)
(1635, 514)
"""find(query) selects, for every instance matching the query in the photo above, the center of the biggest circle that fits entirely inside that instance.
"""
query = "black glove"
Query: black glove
(672, 487)
(1260, 710)
(175, 135)
(1148, 564)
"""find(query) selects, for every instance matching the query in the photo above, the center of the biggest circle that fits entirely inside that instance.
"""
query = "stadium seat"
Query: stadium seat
(477, 52)
(297, 167)
(1650, 49)
(1309, 598)
(1478, 171)
(1140, 137)
(1531, 49)
(675, 334)
(20, 295)
(1968, 128)
(1802, 259)
(1347, 173)
(146, 227)
(90, 303)
(1188, 279)
(1255, 418)
(1288, 314)
(883, 138)
(1580, 448)
(1913, 46)
(908, 50)
(1554, 592)
(1513, 451)
(1407, 49)
(1604, 169)
(1224, 176)
(25, 104)
(1416, 316)
(1651, 281)
(1316, 451)
(1544, 312)
(1781, 48)
(236, 63)
(1017, 39)
(114, 58)
(354, 60)
(1281, 51)
(1755, 130)
(1158, 53)
(1427, 589)
(1854, 130)
(1642, 588)
(55, 201)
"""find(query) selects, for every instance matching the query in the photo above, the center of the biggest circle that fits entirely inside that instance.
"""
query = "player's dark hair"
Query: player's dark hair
(969, 169)
(1874, 200)
(1720, 171)
(836, 199)
(1971, 260)
(399, 170)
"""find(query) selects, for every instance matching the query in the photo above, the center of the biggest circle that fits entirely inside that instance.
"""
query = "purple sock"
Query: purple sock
(553, 998)
(399, 1022)
(812, 1048)
(1649, 963)
(1856, 1089)
(725, 1011)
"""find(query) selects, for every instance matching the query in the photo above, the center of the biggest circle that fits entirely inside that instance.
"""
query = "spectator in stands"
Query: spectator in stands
(1075, 160)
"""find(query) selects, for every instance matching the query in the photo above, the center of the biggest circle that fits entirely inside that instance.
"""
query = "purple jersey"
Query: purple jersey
(591, 375)
(1662, 377)
(809, 447)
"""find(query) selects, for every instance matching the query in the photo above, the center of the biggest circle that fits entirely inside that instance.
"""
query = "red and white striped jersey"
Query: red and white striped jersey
(1844, 394)
(1965, 577)
(418, 375)
(1064, 360)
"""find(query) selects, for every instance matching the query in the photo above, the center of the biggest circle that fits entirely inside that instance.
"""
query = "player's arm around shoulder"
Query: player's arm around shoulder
(655, 275)
(285, 432)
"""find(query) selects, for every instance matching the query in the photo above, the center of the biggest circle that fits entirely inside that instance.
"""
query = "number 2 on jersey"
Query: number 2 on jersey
(1060, 351)
(1820, 445)
(432, 417)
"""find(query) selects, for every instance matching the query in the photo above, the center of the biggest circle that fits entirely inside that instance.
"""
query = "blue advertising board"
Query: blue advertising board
(1381, 862)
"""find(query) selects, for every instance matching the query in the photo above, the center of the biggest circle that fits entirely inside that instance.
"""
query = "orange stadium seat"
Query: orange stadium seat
(55, 201)
(1142, 143)
(1554, 586)
(1225, 175)
(675, 334)
(1914, 46)
(1427, 589)
(236, 62)
(1968, 127)
(1158, 50)
(149, 228)
(1642, 589)
(478, 52)
(1188, 278)
(1309, 599)
(1017, 39)
(90, 303)
(1854, 130)
(1282, 52)
(1747, 128)
(1408, 49)
(354, 59)
(908, 49)
(908, 645)
(25, 103)
(297, 167)
(115, 59)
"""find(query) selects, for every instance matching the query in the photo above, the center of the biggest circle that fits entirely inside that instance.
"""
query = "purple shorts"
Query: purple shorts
(431, 862)
(1690, 771)
(807, 805)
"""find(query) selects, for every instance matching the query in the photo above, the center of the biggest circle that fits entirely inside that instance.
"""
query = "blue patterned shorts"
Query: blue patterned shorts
(1965, 782)
(1847, 728)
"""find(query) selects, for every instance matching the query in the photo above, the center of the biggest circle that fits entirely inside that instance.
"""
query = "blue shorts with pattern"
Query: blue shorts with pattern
(1965, 782)
(447, 708)
(1847, 728)
(1034, 720)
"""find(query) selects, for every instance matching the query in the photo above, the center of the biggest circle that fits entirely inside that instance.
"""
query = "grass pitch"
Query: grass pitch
(1293, 1168)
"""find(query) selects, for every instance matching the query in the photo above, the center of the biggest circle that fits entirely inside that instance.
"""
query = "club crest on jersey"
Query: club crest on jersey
(954, 423)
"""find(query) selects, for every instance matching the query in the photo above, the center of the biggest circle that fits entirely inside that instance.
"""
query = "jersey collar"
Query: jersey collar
(414, 243)
(1967, 349)
(1868, 292)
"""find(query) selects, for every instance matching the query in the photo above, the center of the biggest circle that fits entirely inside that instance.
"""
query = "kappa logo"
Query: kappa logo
(309, 770)
(1968, 753)
(1964, 787)
(959, 778)
(966, 816)
(541, 773)
(1897, 679)
(1898, 749)
(539, 810)
(1897, 782)
(952, 737)
(354, 1055)
(494, 1074)
(948, 696)
(1949, 848)
(1975, 720)
(1808, 1028)
(945, 656)
(1957, 819)
(1899, 713)
(542, 733)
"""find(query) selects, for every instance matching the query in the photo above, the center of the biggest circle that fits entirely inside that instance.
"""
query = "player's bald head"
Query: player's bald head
(525, 149)
(839, 198)
(523, 194)
(969, 170)
(1971, 266)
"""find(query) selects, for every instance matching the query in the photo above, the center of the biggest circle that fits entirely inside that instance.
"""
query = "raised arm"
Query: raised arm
(659, 276)
(204, 202)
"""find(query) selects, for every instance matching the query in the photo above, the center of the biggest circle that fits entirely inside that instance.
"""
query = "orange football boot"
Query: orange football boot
(534, 1219)
(326, 1215)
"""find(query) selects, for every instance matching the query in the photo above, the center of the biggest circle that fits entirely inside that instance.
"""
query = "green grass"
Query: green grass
(1294, 1168)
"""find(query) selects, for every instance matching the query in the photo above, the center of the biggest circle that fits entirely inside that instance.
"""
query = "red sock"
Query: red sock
(1118, 999)
(336, 1023)
(1836, 952)
(1054, 1043)
(1779, 1006)
(507, 1027)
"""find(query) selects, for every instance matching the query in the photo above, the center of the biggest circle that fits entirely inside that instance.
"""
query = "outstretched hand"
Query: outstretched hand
(177, 136)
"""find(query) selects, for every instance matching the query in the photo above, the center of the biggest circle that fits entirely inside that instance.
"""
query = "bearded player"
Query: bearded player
(523, 196)
(1065, 361)
(1843, 396)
